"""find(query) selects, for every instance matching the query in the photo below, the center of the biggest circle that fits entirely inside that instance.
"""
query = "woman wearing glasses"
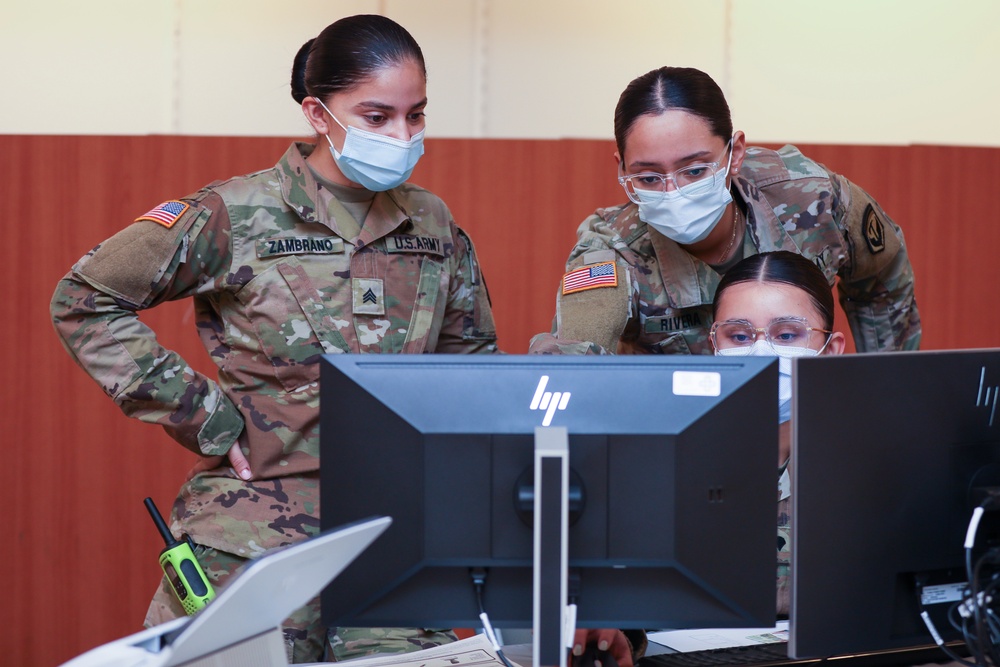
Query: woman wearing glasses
(776, 304)
(643, 274)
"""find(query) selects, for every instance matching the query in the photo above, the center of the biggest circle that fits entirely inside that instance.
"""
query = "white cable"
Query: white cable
(970, 535)
(488, 629)
(570, 624)
(930, 626)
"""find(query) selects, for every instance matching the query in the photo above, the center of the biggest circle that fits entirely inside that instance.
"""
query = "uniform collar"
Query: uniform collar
(765, 229)
(300, 190)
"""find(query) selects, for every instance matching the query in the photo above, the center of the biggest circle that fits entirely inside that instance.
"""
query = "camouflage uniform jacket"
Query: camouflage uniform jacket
(275, 285)
(663, 297)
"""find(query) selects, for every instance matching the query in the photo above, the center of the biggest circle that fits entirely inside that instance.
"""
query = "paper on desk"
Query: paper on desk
(700, 639)
(475, 651)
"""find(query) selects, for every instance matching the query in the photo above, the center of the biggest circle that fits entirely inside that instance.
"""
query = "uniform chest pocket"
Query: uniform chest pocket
(416, 289)
(674, 343)
(291, 321)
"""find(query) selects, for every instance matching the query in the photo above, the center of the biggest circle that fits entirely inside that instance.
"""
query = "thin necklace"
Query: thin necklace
(725, 253)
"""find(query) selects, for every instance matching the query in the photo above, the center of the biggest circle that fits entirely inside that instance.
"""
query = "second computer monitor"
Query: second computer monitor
(890, 452)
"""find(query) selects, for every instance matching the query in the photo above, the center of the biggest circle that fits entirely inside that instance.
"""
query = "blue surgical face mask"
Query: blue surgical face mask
(761, 348)
(375, 161)
(689, 217)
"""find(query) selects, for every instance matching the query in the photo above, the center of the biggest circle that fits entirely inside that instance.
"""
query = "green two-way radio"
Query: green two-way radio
(181, 568)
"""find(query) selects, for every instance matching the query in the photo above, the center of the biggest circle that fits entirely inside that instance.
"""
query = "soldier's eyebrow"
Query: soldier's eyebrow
(698, 155)
(643, 164)
(382, 106)
(373, 104)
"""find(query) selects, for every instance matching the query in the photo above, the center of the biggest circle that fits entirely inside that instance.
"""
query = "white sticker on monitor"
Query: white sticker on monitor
(941, 593)
(697, 383)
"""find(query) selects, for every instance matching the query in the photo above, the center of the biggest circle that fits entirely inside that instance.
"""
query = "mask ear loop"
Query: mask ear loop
(829, 337)
(327, 135)
(624, 183)
(331, 114)
(729, 162)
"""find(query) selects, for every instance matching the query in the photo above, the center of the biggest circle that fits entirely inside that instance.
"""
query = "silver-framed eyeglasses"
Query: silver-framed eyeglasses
(689, 181)
(740, 335)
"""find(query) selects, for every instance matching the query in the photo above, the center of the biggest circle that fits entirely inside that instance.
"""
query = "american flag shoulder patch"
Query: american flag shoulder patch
(166, 213)
(604, 274)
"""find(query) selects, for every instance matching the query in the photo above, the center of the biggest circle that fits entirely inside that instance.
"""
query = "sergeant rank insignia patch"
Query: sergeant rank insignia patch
(165, 214)
(874, 231)
(604, 274)
(369, 296)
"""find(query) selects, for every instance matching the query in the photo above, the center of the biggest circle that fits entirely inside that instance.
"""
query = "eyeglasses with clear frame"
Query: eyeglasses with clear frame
(688, 181)
(740, 335)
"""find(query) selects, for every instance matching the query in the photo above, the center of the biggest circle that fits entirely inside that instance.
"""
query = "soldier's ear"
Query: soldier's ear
(836, 344)
(618, 164)
(315, 115)
(739, 151)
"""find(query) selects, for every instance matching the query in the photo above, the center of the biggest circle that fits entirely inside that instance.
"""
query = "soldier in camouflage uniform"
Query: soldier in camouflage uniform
(642, 277)
(777, 293)
(283, 265)
(657, 299)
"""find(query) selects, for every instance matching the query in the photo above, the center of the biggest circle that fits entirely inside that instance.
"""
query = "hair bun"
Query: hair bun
(299, 92)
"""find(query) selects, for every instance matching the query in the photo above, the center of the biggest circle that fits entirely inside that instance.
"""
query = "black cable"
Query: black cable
(977, 612)
(977, 598)
(991, 620)
(993, 624)
(479, 583)
(937, 638)
(980, 600)
(955, 619)
(970, 644)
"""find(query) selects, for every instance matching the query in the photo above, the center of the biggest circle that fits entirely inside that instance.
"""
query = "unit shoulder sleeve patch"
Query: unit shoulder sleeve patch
(873, 229)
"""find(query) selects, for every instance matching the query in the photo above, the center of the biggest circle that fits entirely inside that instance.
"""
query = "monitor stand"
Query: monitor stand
(553, 620)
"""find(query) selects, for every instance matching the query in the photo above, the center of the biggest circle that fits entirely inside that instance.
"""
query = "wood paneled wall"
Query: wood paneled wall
(81, 551)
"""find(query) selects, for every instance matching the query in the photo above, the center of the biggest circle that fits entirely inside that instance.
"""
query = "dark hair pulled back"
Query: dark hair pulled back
(349, 52)
(667, 88)
(781, 266)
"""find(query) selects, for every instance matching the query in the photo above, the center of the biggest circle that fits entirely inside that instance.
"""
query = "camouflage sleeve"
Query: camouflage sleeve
(589, 320)
(876, 285)
(468, 318)
(95, 313)
(551, 343)
(783, 576)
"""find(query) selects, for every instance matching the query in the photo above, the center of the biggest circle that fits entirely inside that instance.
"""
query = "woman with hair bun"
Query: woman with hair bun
(777, 304)
(328, 251)
(642, 275)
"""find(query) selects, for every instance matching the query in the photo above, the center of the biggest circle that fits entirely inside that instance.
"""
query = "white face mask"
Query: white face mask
(690, 217)
(373, 160)
(761, 348)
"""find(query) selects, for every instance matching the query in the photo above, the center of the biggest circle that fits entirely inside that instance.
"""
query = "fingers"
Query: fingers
(239, 462)
(605, 647)
(579, 641)
(605, 638)
(621, 651)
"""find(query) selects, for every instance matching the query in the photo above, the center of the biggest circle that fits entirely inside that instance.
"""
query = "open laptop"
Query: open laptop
(242, 626)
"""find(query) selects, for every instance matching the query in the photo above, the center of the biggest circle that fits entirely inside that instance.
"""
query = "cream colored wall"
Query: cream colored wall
(820, 71)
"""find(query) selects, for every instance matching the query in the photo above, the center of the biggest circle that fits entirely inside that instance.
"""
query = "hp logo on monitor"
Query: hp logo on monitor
(983, 398)
(550, 401)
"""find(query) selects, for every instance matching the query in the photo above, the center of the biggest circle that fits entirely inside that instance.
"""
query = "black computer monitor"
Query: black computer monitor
(675, 458)
(888, 450)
